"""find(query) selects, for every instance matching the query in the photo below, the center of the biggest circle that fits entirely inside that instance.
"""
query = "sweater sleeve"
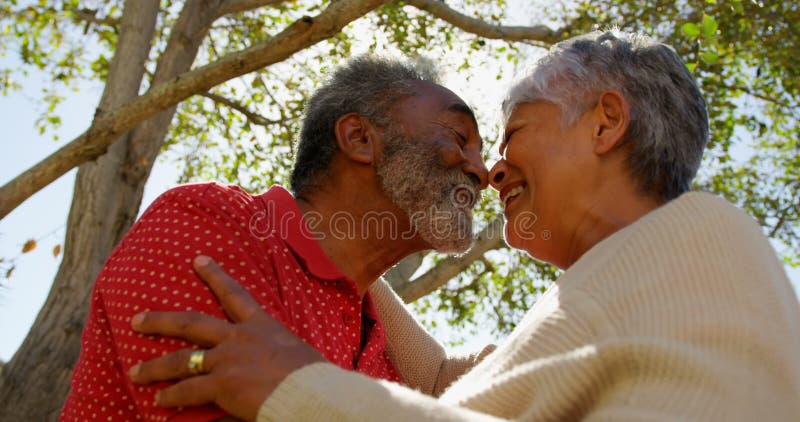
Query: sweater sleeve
(422, 361)
(331, 402)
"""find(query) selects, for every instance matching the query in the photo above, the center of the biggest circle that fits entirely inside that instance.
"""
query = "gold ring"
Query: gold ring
(196, 362)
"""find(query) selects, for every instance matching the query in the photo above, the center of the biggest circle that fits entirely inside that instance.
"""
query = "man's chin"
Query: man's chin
(458, 243)
(453, 246)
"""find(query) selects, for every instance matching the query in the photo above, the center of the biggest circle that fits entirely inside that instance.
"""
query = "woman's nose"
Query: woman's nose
(498, 173)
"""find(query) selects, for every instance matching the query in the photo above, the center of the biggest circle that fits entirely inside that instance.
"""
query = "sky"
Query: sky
(44, 215)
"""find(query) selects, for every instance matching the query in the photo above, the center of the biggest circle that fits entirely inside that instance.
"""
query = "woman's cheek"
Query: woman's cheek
(521, 229)
(512, 237)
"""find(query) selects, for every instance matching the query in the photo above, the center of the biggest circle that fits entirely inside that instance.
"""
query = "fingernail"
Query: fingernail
(134, 371)
(158, 398)
(136, 321)
(202, 260)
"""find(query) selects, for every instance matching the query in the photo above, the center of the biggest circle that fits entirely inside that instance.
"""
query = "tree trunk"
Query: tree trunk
(105, 202)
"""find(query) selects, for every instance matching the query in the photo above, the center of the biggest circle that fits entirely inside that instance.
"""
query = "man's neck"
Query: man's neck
(363, 235)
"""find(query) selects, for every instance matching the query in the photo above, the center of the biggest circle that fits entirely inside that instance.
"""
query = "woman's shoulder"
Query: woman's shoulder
(697, 255)
(704, 209)
(696, 225)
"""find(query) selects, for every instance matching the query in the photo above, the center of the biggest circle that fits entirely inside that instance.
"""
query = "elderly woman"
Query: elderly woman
(673, 305)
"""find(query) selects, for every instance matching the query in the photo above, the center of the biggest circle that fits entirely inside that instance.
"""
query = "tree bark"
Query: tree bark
(35, 381)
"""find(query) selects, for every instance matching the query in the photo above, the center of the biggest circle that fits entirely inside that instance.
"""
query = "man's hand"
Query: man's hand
(245, 361)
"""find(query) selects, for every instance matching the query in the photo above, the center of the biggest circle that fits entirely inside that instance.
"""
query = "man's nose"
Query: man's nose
(476, 170)
(498, 173)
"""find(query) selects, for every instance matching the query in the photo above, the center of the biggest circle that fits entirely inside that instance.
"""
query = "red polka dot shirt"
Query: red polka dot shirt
(261, 241)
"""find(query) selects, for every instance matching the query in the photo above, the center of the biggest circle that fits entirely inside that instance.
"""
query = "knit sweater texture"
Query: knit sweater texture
(686, 314)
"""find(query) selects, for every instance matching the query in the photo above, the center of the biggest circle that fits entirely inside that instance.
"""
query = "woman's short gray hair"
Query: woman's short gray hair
(669, 123)
(369, 85)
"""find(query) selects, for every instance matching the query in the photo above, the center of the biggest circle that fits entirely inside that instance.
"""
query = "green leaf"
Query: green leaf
(709, 27)
(709, 57)
(690, 30)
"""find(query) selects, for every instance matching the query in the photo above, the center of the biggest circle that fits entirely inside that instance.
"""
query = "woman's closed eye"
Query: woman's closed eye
(506, 139)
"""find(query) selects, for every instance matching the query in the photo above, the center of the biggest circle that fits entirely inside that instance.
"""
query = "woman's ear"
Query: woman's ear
(613, 118)
(355, 137)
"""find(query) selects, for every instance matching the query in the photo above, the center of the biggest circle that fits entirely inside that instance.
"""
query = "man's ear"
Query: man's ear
(613, 118)
(355, 136)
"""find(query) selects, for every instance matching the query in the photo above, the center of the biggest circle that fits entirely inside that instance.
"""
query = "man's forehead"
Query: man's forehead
(435, 101)
(460, 107)
(432, 91)
(446, 99)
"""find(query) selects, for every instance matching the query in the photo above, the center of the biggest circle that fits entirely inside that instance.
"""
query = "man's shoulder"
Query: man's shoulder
(205, 192)
(208, 199)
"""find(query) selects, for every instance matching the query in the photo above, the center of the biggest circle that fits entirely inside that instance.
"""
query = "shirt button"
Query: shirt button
(347, 318)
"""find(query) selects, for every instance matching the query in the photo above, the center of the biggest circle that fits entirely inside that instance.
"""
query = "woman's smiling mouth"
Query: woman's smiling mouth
(511, 191)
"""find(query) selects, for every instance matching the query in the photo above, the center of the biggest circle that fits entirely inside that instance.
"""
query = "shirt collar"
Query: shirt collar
(285, 221)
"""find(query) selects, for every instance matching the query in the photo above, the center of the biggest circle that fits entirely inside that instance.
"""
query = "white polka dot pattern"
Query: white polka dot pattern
(151, 270)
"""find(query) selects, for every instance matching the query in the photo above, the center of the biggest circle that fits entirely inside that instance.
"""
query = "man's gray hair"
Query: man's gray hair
(368, 85)
(669, 123)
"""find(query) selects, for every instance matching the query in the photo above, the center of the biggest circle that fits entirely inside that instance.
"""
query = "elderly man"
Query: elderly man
(388, 164)
(672, 305)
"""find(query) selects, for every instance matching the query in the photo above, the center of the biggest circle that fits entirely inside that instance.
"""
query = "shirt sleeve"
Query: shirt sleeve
(98, 388)
(151, 270)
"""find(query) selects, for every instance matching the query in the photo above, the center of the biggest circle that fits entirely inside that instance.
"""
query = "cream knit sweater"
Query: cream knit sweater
(686, 314)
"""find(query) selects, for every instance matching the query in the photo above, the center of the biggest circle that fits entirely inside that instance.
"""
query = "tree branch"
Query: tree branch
(401, 273)
(762, 97)
(442, 11)
(782, 219)
(238, 6)
(110, 125)
(253, 117)
(90, 15)
(491, 237)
